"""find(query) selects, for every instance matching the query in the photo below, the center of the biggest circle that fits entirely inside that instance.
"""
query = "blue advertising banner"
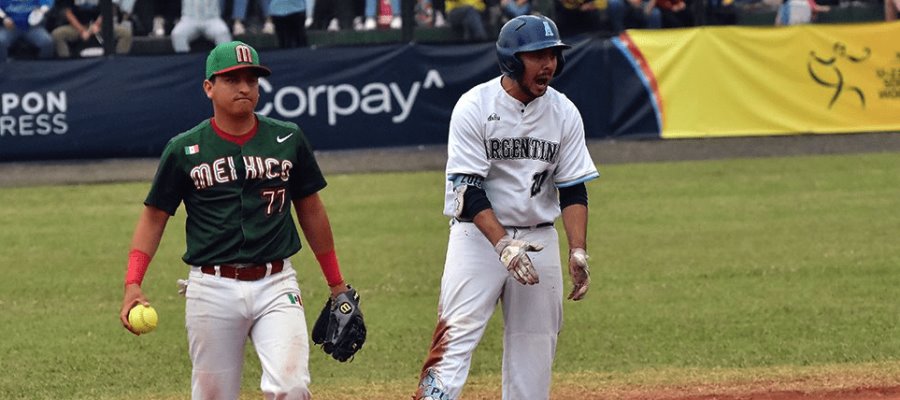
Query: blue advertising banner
(342, 98)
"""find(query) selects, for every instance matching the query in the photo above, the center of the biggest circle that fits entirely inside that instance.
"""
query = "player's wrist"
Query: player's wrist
(579, 257)
(336, 290)
(330, 268)
(338, 285)
(502, 244)
(138, 262)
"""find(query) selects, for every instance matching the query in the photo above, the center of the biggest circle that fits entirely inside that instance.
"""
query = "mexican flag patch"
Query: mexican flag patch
(192, 149)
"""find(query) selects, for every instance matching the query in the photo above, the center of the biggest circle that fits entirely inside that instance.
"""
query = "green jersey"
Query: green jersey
(237, 198)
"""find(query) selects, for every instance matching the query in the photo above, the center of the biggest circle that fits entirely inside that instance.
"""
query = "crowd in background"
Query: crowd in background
(72, 28)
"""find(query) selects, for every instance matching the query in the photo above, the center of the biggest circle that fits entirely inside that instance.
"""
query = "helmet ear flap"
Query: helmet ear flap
(517, 67)
(560, 61)
(509, 61)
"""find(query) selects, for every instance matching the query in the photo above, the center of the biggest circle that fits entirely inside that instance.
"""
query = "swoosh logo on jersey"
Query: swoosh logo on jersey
(280, 139)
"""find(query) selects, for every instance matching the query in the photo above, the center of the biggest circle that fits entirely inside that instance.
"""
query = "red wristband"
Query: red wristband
(138, 261)
(330, 268)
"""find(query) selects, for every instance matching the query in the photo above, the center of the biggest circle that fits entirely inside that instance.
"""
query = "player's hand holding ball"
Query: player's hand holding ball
(580, 273)
(514, 256)
(143, 319)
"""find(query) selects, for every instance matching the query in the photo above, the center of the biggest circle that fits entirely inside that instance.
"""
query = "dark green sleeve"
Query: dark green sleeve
(170, 184)
(307, 177)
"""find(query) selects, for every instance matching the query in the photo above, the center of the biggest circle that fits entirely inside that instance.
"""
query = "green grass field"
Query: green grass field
(704, 273)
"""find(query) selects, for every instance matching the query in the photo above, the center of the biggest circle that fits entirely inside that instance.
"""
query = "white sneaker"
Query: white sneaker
(396, 22)
(370, 24)
(357, 23)
(238, 28)
(439, 20)
(159, 27)
(308, 23)
(333, 26)
(91, 52)
(268, 27)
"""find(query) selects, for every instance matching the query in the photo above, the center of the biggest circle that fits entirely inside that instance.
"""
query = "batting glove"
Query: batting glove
(580, 273)
(514, 257)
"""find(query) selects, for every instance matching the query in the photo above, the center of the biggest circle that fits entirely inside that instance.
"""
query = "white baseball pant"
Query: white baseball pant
(474, 281)
(221, 313)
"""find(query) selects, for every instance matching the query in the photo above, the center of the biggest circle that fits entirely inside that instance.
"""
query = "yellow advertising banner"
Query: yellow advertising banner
(744, 81)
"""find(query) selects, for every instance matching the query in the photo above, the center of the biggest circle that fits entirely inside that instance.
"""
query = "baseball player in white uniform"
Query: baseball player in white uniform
(517, 160)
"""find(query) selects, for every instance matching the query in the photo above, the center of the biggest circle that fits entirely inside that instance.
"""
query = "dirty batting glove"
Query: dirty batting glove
(514, 256)
(580, 273)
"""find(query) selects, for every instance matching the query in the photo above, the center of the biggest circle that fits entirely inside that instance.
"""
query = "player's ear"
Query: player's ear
(207, 87)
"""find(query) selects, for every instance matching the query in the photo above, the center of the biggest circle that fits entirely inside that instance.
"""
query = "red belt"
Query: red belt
(248, 273)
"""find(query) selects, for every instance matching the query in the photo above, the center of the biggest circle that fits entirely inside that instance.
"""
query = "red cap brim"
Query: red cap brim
(260, 70)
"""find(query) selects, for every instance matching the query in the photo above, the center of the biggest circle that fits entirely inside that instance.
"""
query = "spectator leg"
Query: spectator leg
(239, 10)
(238, 16)
(123, 39)
(456, 19)
(267, 25)
(344, 10)
(654, 20)
(183, 33)
(476, 25)
(370, 8)
(310, 12)
(291, 30)
(127, 6)
(217, 31)
(40, 38)
(615, 10)
(468, 20)
(61, 37)
(440, 14)
(6, 39)
(323, 13)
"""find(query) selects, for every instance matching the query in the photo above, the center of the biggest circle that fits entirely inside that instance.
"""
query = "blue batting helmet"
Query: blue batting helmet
(527, 33)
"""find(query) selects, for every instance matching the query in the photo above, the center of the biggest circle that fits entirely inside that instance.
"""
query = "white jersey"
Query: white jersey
(524, 152)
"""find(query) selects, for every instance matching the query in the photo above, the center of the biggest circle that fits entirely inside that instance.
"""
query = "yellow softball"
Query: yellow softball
(142, 318)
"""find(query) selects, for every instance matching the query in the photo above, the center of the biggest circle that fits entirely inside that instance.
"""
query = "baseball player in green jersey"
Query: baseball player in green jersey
(238, 174)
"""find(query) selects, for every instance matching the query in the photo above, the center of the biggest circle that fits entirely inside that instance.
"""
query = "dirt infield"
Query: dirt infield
(890, 393)
(852, 383)
(433, 158)
(761, 393)
(835, 382)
